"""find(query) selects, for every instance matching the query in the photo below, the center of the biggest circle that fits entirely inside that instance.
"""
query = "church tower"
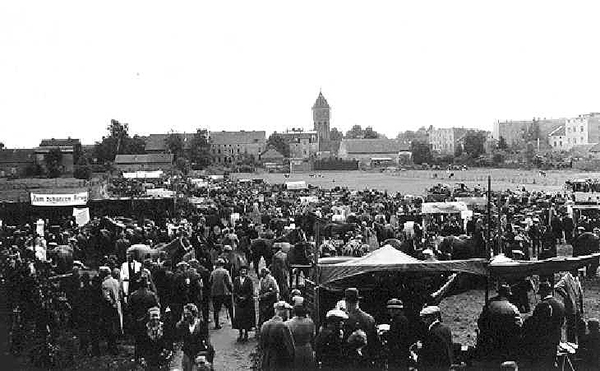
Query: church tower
(321, 114)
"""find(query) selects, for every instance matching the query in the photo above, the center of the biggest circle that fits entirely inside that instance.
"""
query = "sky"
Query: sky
(68, 67)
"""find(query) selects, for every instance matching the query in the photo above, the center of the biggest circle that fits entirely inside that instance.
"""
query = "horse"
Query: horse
(585, 244)
(300, 254)
(340, 229)
(261, 248)
(462, 247)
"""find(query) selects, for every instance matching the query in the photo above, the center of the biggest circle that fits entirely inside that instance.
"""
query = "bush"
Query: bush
(83, 172)
(33, 170)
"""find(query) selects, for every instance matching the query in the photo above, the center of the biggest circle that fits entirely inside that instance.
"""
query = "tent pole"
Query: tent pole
(489, 217)
(487, 289)
(317, 312)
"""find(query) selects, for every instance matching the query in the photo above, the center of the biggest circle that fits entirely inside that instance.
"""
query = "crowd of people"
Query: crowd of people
(156, 281)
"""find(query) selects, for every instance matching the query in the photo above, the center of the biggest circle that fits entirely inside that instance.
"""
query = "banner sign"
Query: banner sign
(72, 199)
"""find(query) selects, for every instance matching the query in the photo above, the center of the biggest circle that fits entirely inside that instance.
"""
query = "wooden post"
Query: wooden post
(489, 217)
(317, 311)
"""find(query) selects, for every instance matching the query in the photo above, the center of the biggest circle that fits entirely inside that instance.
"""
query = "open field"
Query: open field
(416, 181)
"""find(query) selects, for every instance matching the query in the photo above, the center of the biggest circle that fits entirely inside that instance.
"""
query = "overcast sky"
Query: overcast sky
(68, 67)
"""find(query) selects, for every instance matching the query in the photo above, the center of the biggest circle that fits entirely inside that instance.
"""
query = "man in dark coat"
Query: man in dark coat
(276, 341)
(436, 350)
(360, 320)
(542, 331)
(139, 303)
(399, 336)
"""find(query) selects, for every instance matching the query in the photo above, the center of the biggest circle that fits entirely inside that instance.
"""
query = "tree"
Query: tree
(335, 135)
(474, 143)
(174, 145)
(408, 136)
(53, 162)
(421, 153)
(183, 164)
(356, 132)
(200, 156)
(1, 146)
(502, 144)
(369, 133)
(118, 141)
(279, 143)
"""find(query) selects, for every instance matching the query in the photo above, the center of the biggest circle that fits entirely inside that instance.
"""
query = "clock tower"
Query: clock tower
(321, 114)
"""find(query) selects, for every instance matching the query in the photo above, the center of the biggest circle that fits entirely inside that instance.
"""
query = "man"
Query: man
(360, 320)
(181, 287)
(139, 303)
(500, 325)
(569, 289)
(221, 286)
(436, 350)
(398, 336)
(111, 308)
(131, 270)
(268, 294)
(542, 331)
(280, 269)
(276, 340)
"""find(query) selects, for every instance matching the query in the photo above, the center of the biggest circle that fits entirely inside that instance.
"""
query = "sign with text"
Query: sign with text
(67, 199)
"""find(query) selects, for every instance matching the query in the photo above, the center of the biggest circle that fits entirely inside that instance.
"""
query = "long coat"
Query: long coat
(281, 272)
(277, 345)
(303, 333)
(243, 294)
(436, 353)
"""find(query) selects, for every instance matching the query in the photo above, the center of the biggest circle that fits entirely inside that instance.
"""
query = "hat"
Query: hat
(227, 248)
(298, 301)
(183, 264)
(295, 292)
(336, 313)
(395, 304)
(104, 269)
(220, 261)
(430, 310)
(281, 305)
(427, 252)
(78, 264)
(351, 294)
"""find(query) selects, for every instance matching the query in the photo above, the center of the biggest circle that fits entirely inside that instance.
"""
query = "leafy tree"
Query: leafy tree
(529, 153)
(1, 146)
(458, 151)
(532, 132)
(421, 153)
(474, 143)
(175, 145)
(498, 158)
(369, 133)
(200, 149)
(82, 172)
(279, 143)
(502, 144)
(356, 132)
(183, 164)
(336, 135)
(409, 135)
(53, 162)
(118, 141)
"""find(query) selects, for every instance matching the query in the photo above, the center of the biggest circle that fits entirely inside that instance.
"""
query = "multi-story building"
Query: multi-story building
(577, 131)
(157, 143)
(372, 151)
(69, 148)
(302, 144)
(516, 133)
(445, 140)
(229, 146)
(321, 120)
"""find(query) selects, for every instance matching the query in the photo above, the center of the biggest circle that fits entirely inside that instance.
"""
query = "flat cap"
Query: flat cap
(430, 310)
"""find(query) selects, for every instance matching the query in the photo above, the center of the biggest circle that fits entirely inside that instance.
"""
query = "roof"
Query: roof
(321, 102)
(388, 259)
(271, 153)
(165, 158)
(15, 156)
(559, 131)
(501, 266)
(370, 146)
(59, 142)
(237, 137)
(156, 142)
(595, 148)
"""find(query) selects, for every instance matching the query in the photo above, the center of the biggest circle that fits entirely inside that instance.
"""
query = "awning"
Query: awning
(501, 266)
(443, 207)
(388, 259)
(143, 175)
(296, 185)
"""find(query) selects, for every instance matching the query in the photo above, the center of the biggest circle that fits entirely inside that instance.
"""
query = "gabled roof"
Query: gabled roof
(271, 153)
(156, 142)
(559, 131)
(59, 142)
(595, 148)
(321, 102)
(366, 146)
(16, 156)
(164, 158)
(237, 137)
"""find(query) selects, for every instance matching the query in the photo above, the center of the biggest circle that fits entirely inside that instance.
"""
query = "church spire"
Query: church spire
(321, 102)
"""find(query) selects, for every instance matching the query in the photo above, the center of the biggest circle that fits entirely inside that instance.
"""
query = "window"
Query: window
(581, 129)
(581, 139)
(560, 143)
(568, 140)
(554, 143)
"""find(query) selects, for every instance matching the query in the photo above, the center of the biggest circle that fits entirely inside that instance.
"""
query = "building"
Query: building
(14, 162)
(157, 143)
(272, 156)
(322, 121)
(373, 151)
(69, 148)
(445, 140)
(517, 133)
(558, 139)
(227, 147)
(302, 144)
(148, 162)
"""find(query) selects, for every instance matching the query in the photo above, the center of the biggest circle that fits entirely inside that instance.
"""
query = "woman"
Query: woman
(243, 294)
(329, 343)
(156, 347)
(194, 332)
(303, 333)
